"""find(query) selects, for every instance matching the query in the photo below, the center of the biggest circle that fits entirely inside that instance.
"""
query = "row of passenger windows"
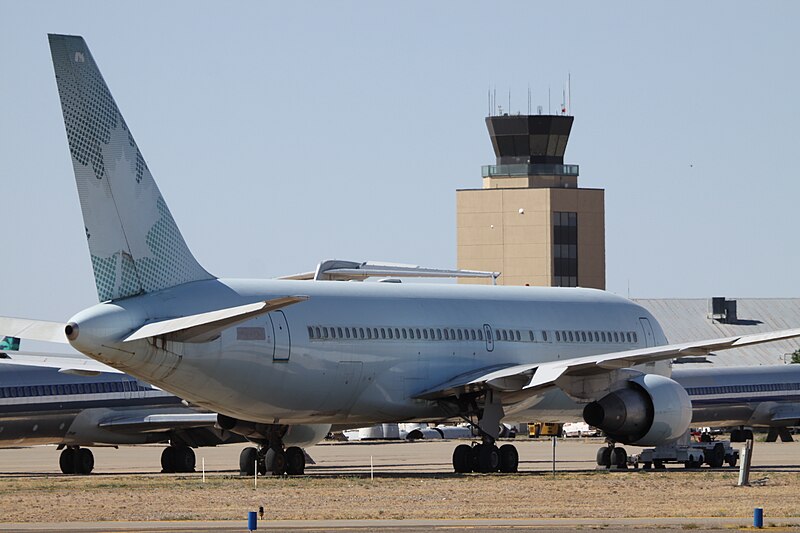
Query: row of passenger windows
(28, 391)
(729, 389)
(467, 334)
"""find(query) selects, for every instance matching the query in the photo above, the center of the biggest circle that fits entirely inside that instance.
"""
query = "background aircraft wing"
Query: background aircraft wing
(35, 330)
(79, 365)
(533, 377)
(146, 423)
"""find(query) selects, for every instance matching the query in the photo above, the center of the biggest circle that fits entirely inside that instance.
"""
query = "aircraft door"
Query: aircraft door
(647, 331)
(282, 345)
(487, 332)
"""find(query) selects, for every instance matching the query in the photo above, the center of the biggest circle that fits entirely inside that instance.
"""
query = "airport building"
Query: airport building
(530, 220)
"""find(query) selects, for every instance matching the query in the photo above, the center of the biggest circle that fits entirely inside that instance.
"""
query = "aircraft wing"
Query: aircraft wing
(148, 423)
(79, 365)
(205, 326)
(535, 376)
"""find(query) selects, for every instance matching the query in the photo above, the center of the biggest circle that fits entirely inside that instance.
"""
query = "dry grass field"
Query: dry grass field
(564, 495)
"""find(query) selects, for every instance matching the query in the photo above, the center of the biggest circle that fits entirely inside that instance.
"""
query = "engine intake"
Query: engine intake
(648, 410)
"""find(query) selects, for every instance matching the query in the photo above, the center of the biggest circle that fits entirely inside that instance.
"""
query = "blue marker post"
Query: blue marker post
(758, 517)
(252, 521)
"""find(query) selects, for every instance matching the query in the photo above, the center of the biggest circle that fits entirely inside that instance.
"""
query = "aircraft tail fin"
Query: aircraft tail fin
(135, 245)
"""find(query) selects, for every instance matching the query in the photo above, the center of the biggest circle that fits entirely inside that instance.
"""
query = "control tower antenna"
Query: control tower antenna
(569, 92)
(529, 98)
(509, 101)
(549, 105)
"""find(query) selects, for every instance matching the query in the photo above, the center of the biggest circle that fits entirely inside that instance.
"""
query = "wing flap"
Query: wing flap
(205, 326)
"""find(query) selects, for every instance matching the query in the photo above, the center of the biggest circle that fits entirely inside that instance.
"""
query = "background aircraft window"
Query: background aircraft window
(583, 336)
(60, 389)
(324, 332)
(424, 334)
(361, 333)
(628, 336)
(410, 333)
(446, 335)
(558, 336)
(389, 330)
(339, 331)
(603, 336)
(40, 390)
(460, 335)
(517, 335)
(396, 333)
(544, 336)
(530, 334)
(346, 333)
(438, 334)
(383, 333)
(405, 333)
(418, 334)
(480, 334)
(635, 337)
(333, 332)
(13, 391)
(571, 339)
(472, 334)
(616, 337)
(310, 332)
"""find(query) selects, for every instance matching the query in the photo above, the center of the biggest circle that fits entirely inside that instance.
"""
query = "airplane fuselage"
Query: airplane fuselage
(357, 353)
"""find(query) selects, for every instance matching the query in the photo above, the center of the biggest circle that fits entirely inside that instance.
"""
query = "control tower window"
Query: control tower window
(565, 249)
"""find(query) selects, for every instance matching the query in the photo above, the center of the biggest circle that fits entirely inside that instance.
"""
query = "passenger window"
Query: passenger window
(530, 334)
(438, 334)
(310, 332)
(446, 335)
(583, 336)
(410, 332)
(383, 333)
(558, 336)
(460, 336)
(480, 334)
(425, 334)
(388, 333)
(497, 334)
(571, 338)
(616, 337)
(396, 333)
(418, 335)
(635, 337)
(544, 336)
(472, 334)
(340, 333)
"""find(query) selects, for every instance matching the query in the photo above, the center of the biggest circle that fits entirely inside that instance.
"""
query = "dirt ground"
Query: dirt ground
(565, 495)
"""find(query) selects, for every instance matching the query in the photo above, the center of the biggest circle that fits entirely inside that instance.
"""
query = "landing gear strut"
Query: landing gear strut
(485, 457)
(76, 460)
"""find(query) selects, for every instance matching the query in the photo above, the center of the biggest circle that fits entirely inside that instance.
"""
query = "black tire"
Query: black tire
(604, 456)
(247, 461)
(509, 458)
(67, 461)
(716, 457)
(488, 458)
(748, 435)
(462, 459)
(731, 460)
(705, 437)
(619, 458)
(84, 461)
(737, 435)
(693, 463)
(295, 461)
(647, 466)
(279, 463)
(168, 460)
(184, 459)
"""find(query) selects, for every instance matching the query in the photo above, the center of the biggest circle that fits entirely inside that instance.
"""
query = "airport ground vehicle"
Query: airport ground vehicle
(544, 429)
(691, 454)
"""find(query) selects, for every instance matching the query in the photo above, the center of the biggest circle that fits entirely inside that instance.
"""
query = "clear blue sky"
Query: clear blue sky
(283, 133)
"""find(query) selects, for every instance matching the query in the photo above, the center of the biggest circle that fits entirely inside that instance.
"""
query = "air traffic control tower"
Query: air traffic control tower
(531, 221)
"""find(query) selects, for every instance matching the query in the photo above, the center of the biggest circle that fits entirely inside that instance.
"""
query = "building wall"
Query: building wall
(493, 235)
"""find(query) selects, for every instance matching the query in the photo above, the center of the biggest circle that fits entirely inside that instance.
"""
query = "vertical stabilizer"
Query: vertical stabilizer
(135, 245)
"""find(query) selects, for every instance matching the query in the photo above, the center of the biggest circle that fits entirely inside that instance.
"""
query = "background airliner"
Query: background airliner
(66, 402)
(285, 360)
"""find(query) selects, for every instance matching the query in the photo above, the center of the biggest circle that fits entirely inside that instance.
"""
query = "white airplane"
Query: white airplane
(288, 359)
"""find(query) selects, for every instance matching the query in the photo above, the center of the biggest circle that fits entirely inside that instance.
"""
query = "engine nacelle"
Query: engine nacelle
(301, 435)
(649, 410)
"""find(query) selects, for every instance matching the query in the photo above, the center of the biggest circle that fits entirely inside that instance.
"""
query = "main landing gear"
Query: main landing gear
(272, 457)
(177, 459)
(485, 457)
(76, 460)
(612, 457)
(741, 435)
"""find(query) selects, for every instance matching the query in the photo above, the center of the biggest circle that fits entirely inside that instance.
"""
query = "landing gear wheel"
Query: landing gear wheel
(184, 459)
(604, 456)
(279, 463)
(717, 456)
(509, 458)
(488, 458)
(462, 459)
(67, 461)
(247, 461)
(168, 460)
(295, 461)
(619, 458)
(84, 461)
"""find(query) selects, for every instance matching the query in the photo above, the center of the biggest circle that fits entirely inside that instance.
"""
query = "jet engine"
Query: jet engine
(301, 435)
(647, 411)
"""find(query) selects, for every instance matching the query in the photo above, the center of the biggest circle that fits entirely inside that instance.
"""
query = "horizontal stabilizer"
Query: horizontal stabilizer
(204, 327)
(533, 377)
(33, 330)
(159, 422)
